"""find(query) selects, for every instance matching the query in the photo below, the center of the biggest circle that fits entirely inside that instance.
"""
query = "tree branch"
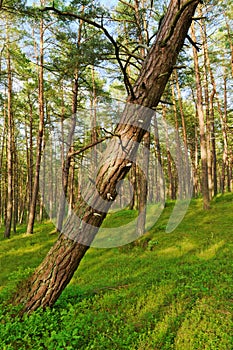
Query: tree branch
(127, 4)
(193, 43)
(90, 145)
(128, 85)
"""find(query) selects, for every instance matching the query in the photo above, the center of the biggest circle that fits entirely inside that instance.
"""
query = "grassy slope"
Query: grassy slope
(176, 292)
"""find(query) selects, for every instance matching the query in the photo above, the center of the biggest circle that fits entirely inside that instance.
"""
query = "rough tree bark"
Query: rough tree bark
(58, 267)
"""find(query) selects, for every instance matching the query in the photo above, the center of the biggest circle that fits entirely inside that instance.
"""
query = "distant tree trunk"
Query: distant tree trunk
(231, 169)
(66, 161)
(9, 207)
(94, 134)
(71, 182)
(133, 182)
(225, 157)
(2, 190)
(178, 149)
(143, 185)
(58, 267)
(201, 119)
(213, 97)
(160, 195)
(15, 182)
(171, 188)
(209, 107)
(230, 41)
(181, 109)
(30, 154)
(196, 189)
(32, 210)
(43, 175)
(183, 122)
(207, 115)
(212, 121)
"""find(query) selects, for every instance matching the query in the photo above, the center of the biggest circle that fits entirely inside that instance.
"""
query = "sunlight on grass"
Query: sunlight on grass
(204, 327)
(210, 252)
(180, 249)
(167, 291)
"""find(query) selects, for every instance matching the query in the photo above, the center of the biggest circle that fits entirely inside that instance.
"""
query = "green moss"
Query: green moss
(167, 291)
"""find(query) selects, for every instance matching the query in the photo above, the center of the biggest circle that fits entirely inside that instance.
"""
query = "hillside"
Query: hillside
(166, 291)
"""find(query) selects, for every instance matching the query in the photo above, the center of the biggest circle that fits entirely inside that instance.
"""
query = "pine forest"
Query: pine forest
(116, 134)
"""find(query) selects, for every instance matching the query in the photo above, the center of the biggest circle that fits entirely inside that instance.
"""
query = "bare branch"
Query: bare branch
(193, 43)
(90, 145)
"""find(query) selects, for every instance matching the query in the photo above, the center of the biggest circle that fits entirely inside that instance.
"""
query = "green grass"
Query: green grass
(165, 291)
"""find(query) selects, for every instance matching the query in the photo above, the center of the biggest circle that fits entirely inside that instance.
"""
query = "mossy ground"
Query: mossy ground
(166, 291)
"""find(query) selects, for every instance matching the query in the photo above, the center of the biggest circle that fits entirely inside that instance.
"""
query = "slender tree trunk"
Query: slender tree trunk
(4, 167)
(207, 110)
(171, 190)
(160, 190)
(71, 182)
(201, 118)
(15, 181)
(58, 267)
(195, 161)
(94, 134)
(143, 183)
(9, 207)
(2, 190)
(185, 140)
(178, 150)
(67, 160)
(225, 160)
(231, 42)
(231, 169)
(30, 154)
(133, 182)
(32, 210)
(209, 103)
(211, 116)
(183, 122)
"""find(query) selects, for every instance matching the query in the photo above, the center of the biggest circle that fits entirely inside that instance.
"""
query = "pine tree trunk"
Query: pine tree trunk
(9, 206)
(57, 269)
(143, 184)
(15, 182)
(32, 210)
(30, 155)
(160, 191)
(67, 161)
(201, 119)
(225, 157)
(212, 158)
(94, 134)
(2, 197)
(168, 157)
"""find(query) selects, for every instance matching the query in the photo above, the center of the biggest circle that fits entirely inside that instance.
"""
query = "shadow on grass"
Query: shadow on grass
(173, 294)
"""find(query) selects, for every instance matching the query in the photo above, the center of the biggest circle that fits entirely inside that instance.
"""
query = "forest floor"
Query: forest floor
(168, 291)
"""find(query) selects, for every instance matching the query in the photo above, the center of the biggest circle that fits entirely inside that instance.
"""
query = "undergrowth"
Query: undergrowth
(164, 291)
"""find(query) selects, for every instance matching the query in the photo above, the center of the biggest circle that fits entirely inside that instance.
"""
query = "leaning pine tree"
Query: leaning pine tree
(56, 270)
